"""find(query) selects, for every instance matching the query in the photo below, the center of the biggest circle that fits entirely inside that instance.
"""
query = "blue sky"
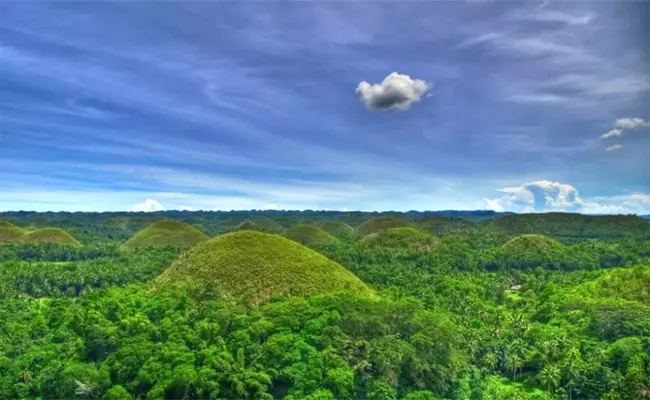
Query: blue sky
(494, 105)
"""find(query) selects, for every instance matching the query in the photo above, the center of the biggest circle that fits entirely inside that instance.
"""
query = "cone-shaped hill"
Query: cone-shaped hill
(49, 235)
(267, 224)
(166, 233)
(9, 232)
(260, 224)
(379, 224)
(402, 238)
(258, 265)
(532, 244)
(309, 234)
(337, 228)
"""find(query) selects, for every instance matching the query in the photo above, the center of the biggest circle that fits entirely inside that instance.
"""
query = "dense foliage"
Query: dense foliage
(483, 314)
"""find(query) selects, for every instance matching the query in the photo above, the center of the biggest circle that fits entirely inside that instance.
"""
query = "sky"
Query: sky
(146, 106)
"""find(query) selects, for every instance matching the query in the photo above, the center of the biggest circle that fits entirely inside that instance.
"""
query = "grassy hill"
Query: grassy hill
(9, 232)
(532, 243)
(572, 225)
(49, 235)
(443, 225)
(379, 224)
(261, 224)
(166, 233)
(402, 238)
(309, 234)
(337, 228)
(267, 224)
(258, 265)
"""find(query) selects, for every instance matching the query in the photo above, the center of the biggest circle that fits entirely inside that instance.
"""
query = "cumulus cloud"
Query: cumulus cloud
(541, 196)
(148, 205)
(396, 92)
(537, 196)
(631, 123)
(624, 124)
(615, 147)
(612, 133)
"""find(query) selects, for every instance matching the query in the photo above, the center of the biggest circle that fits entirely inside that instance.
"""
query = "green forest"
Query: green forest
(324, 305)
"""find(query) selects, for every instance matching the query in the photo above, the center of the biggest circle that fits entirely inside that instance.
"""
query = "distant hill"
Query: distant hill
(259, 224)
(469, 215)
(49, 235)
(258, 265)
(267, 224)
(531, 243)
(309, 234)
(571, 225)
(441, 225)
(10, 232)
(337, 228)
(166, 233)
(402, 238)
(379, 224)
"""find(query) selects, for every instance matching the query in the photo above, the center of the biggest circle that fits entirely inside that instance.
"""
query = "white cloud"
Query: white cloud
(149, 205)
(623, 124)
(541, 196)
(396, 92)
(615, 147)
(552, 16)
(185, 208)
(612, 133)
(630, 123)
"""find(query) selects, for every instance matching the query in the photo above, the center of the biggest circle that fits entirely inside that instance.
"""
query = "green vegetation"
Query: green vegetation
(533, 243)
(382, 223)
(308, 235)
(498, 311)
(337, 228)
(258, 265)
(259, 224)
(267, 224)
(49, 235)
(445, 225)
(9, 232)
(402, 238)
(572, 225)
(166, 233)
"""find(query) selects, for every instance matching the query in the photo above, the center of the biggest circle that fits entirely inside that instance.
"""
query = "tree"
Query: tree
(550, 377)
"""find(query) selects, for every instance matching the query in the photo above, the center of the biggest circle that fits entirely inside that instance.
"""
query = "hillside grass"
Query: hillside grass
(337, 228)
(402, 238)
(261, 224)
(571, 225)
(309, 234)
(379, 224)
(258, 265)
(267, 224)
(166, 233)
(49, 235)
(9, 232)
(533, 243)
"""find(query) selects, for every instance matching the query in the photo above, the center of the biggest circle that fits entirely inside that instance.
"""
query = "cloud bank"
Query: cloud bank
(541, 196)
(148, 205)
(395, 92)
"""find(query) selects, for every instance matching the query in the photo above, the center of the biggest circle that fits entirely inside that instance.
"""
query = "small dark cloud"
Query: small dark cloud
(396, 92)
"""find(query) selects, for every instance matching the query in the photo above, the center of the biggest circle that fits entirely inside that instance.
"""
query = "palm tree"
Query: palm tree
(550, 377)
(490, 360)
(514, 363)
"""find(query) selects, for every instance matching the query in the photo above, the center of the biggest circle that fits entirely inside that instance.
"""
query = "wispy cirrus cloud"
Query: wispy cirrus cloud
(615, 147)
